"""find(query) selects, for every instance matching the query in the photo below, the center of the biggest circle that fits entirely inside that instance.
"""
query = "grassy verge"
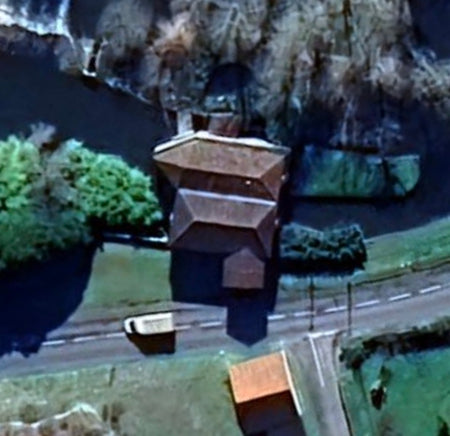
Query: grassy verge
(392, 255)
(417, 398)
(420, 248)
(160, 396)
(126, 276)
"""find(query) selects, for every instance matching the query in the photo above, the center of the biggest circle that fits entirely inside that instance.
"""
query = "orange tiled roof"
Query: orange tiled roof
(258, 378)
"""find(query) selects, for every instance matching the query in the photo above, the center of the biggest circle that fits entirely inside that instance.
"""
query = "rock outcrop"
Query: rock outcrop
(42, 17)
(80, 420)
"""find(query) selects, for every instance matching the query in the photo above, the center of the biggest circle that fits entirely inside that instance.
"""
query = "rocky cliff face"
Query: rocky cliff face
(298, 55)
(43, 17)
(80, 420)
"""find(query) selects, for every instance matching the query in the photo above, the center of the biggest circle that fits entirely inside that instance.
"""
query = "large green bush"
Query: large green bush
(109, 190)
(50, 197)
(337, 250)
(19, 168)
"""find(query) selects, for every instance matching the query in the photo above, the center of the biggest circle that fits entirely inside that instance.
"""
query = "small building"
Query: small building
(243, 270)
(265, 398)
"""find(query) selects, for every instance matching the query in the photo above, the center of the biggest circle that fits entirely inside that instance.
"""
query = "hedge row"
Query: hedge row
(305, 250)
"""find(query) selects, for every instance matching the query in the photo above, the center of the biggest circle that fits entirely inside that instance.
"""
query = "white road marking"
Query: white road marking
(114, 335)
(430, 289)
(335, 309)
(302, 314)
(400, 297)
(367, 303)
(86, 338)
(325, 333)
(211, 324)
(316, 360)
(53, 343)
(183, 327)
(276, 317)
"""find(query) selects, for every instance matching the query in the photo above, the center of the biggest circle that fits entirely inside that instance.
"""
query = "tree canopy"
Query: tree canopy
(51, 196)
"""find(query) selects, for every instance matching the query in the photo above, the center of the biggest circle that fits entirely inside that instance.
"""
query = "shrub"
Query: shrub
(50, 198)
(306, 250)
(30, 234)
(109, 190)
(19, 168)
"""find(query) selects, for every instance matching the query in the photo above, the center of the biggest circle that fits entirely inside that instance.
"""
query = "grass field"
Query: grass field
(180, 395)
(123, 275)
(418, 395)
(160, 396)
(418, 248)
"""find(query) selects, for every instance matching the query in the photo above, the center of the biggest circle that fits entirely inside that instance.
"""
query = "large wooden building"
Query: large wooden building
(226, 201)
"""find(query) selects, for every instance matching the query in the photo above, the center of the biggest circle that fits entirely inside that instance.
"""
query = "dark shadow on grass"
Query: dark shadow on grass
(197, 278)
(273, 415)
(40, 296)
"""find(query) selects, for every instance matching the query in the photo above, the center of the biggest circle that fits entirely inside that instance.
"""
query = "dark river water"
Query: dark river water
(32, 90)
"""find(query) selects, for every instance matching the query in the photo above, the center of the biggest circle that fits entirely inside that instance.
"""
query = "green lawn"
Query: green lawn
(160, 396)
(418, 248)
(418, 395)
(123, 275)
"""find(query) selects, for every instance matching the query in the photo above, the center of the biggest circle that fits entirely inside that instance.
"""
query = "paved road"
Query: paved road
(196, 332)
(204, 328)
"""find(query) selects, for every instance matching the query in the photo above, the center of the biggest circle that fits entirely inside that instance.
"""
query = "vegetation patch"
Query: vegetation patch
(158, 396)
(396, 384)
(126, 276)
(423, 247)
(388, 256)
(307, 250)
(53, 196)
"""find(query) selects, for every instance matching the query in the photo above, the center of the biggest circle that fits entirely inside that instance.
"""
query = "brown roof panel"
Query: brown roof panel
(242, 166)
(259, 378)
(216, 223)
(243, 270)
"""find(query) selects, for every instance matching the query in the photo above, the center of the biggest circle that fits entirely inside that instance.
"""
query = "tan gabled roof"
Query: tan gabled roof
(244, 166)
(216, 223)
(259, 378)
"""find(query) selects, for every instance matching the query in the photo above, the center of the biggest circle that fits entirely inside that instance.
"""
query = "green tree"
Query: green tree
(50, 198)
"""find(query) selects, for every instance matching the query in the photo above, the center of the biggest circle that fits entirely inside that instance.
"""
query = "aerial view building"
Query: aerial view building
(224, 218)
(264, 396)
(223, 204)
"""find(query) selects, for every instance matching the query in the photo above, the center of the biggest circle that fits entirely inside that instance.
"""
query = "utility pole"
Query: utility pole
(311, 299)
(349, 308)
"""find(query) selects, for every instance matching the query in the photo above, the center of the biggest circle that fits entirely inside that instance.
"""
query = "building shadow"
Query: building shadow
(40, 296)
(197, 278)
(275, 416)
